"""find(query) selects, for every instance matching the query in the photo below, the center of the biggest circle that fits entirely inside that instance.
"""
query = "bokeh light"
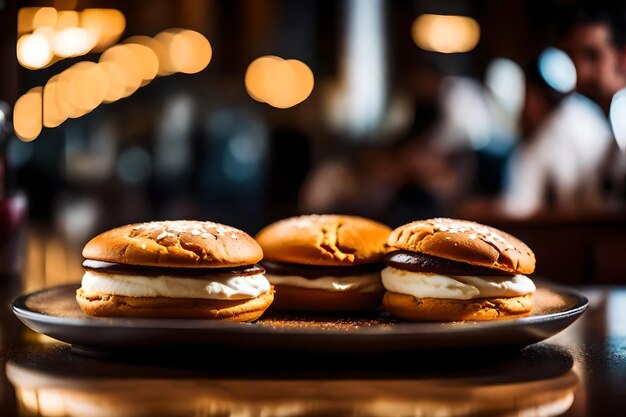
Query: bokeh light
(505, 79)
(67, 19)
(164, 39)
(63, 82)
(146, 61)
(109, 24)
(259, 75)
(183, 51)
(558, 70)
(53, 114)
(25, 19)
(116, 81)
(65, 33)
(190, 51)
(47, 32)
(304, 80)
(129, 63)
(160, 52)
(33, 51)
(445, 33)
(278, 82)
(617, 115)
(72, 42)
(87, 88)
(44, 16)
(28, 115)
(120, 71)
(79, 90)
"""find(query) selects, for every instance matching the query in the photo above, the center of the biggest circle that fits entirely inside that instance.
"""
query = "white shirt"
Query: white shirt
(568, 152)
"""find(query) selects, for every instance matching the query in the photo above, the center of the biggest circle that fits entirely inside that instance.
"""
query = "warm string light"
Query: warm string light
(47, 34)
(53, 115)
(128, 63)
(278, 82)
(71, 42)
(33, 51)
(183, 51)
(121, 70)
(27, 115)
(109, 24)
(445, 33)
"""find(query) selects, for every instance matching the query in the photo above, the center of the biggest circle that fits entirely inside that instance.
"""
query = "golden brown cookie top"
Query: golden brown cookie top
(465, 241)
(178, 243)
(327, 239)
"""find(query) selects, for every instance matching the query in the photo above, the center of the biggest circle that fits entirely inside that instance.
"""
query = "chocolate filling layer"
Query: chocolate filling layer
(153, 271)
(419, 262)
(317, 271)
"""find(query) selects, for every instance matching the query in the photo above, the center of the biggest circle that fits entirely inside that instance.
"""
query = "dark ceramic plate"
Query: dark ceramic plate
(54, 312)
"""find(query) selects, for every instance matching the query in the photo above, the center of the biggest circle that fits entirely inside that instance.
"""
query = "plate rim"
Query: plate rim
(22, 312)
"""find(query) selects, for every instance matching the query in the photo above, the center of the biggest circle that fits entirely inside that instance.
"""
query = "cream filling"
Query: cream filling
(423, 285)
(211, 288)
(359, 283)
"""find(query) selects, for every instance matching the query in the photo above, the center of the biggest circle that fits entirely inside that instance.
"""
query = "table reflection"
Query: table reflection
(51, 381)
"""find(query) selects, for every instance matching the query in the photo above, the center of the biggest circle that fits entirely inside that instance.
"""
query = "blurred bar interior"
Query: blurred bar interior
(511, 113)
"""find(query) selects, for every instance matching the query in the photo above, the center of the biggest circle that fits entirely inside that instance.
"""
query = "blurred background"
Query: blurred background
(244, 112)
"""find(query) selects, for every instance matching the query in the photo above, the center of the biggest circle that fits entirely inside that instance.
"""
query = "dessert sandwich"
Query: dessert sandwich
(325, 263)
(191, 269)
(448, 270)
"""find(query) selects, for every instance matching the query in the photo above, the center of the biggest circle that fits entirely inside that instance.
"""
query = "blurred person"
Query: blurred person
(422, 173)
(560, 160)
(595, 39)
(383, 182)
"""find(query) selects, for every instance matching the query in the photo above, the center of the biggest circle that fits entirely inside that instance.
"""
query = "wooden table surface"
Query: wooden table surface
(579, 372)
